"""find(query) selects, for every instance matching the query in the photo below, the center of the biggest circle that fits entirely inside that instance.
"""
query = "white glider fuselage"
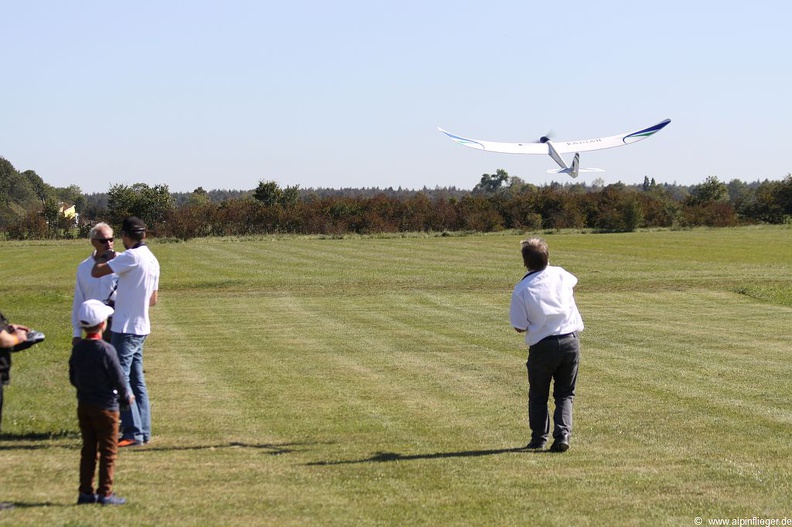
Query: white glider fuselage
(555, 149)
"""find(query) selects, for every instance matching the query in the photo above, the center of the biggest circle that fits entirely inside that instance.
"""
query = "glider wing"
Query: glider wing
(503, 148)
(587, 145)
(561, 147)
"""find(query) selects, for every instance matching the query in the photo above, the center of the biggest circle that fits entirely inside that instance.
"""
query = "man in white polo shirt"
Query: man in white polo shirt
(86, 287)
(543, 307)
(138, 282)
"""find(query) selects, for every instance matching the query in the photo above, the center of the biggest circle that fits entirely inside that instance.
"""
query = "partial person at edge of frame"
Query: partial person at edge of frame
(12, 338)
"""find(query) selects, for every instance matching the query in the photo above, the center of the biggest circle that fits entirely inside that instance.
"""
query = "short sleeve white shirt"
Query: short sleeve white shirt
(543, 304)
(138, 277)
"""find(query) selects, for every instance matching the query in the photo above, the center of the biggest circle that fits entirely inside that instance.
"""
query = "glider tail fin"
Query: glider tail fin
(575, 168)
(572, 171)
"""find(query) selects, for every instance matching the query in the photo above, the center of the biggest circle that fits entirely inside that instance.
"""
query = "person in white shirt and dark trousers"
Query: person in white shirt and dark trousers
(543, 307)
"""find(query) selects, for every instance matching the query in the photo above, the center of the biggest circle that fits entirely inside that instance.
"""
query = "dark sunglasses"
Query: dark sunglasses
(103, 240)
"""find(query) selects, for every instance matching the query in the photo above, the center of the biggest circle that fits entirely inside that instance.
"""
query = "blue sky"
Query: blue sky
(348, 93)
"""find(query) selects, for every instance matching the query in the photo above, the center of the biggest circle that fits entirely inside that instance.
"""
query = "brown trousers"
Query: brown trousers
(99, 429)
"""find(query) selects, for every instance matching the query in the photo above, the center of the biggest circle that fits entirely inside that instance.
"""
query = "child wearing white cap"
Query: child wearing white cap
(95, 372)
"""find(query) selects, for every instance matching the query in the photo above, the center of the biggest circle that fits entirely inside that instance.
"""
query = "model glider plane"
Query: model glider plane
(555, 148)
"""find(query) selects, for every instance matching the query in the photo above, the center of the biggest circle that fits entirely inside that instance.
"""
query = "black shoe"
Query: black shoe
(85, 499)
(536, 445)
(561, 444)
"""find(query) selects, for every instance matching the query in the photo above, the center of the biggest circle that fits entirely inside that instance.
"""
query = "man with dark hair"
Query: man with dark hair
(138, 282)
(543, 307)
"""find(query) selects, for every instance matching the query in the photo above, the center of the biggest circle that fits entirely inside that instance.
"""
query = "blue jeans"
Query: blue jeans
(136, 422)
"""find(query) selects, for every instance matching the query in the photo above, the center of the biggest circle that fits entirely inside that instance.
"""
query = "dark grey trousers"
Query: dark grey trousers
(554, 359)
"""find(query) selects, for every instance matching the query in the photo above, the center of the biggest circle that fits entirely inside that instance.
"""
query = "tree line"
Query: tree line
(29, 208)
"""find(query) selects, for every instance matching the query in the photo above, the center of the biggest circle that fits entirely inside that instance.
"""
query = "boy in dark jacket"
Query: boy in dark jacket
(95, 372)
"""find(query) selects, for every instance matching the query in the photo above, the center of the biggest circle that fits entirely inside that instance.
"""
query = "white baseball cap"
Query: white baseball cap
(93, 312)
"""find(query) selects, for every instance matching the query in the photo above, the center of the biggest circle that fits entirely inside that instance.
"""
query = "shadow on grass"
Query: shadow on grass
(7, 505)
(37, 443)
(385, 457)
(35, 439)
(271, 448)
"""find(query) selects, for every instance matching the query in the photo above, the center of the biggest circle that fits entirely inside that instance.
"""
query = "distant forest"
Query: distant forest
(32, 209)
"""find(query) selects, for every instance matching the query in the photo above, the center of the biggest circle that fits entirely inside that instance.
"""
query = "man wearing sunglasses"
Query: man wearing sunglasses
(89, 288)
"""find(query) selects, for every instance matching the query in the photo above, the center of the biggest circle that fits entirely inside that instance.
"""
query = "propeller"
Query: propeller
(547, 137)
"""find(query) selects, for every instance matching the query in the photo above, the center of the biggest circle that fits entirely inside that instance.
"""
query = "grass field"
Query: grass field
(376, 381)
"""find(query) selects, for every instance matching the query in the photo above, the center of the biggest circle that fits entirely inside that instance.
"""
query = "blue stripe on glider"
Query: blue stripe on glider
(463, 140)
(646, 132)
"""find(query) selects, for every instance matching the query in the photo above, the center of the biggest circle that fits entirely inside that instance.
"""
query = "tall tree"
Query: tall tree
(290, 196)
(491, 183)
(151, 204)
(7, 174)
(711, 191)
(198, 197)
(268, 193)
(72, 195)
(42, 190)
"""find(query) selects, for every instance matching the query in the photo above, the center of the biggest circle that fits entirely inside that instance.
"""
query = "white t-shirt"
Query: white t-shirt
(89, 288)
(543, 304)
(138, 277)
